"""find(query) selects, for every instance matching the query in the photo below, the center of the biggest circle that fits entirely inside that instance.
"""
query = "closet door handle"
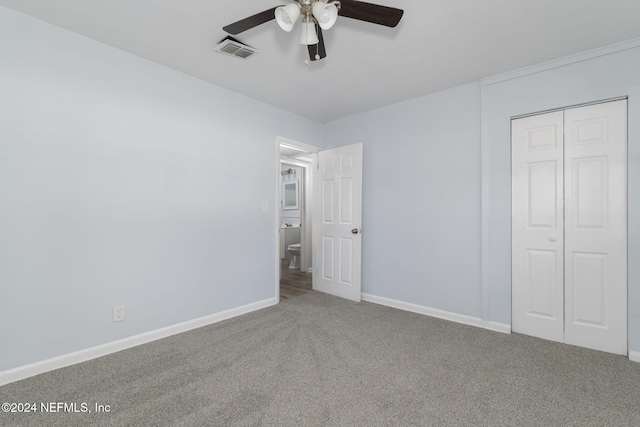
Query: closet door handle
(552, 239)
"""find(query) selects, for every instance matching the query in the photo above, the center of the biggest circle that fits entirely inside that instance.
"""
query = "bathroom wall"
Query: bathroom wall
(306, 259)
(291, 216)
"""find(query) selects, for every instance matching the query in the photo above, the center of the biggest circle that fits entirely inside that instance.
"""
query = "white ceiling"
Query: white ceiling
(438, 44)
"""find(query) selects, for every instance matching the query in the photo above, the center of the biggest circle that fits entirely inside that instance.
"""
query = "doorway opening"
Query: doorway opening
(294, 218)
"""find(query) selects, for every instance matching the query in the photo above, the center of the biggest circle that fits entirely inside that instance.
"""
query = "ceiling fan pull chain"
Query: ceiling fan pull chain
(317, 45)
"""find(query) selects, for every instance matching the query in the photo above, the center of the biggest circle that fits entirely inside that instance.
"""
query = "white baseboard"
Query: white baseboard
(634, 356)
(440, 314)
(36, 368)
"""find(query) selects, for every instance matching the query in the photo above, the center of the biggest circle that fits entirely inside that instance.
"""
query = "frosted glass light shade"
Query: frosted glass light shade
(308, 34)
(286, 16)
(325, 13)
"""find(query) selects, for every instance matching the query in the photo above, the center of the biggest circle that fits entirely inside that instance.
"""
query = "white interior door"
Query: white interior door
(537, 221)
(595, 159)
(569, 271)
(337, 222)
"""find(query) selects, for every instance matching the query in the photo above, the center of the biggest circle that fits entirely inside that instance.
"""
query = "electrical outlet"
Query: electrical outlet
(118, 313)
(265, 206)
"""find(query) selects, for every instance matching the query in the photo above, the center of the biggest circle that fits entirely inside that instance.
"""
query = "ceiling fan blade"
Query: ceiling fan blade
(317, 49)
(374, 13)
(250, 22)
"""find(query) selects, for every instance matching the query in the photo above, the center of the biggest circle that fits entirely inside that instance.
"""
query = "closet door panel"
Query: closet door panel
(595, 227)
(537, 236)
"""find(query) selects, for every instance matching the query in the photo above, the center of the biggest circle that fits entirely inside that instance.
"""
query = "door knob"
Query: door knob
(552, 239)
(356, 231)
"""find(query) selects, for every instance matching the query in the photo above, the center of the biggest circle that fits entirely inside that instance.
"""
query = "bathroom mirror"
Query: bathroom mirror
(290, 195)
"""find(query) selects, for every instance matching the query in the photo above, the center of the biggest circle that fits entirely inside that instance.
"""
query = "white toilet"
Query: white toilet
(294, 250)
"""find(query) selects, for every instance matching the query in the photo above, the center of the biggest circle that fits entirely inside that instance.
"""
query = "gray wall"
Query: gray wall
(595, 76)
(119, 185)
(427, 182)
(421, 198)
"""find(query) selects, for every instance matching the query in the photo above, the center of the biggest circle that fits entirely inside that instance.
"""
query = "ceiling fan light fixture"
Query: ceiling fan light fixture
(308, 35)
(286, 16)
(325, 13)
(317, 15)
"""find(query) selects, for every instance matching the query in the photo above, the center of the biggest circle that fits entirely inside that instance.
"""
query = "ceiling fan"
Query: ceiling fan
(317, 16)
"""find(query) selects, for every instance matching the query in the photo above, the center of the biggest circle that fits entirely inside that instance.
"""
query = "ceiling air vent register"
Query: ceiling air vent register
(232, 47)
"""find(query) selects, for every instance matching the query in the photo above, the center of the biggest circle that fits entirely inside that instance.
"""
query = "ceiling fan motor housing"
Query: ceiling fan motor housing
(310, 8)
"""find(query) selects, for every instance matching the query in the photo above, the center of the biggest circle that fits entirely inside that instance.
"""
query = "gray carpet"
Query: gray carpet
(317, 360)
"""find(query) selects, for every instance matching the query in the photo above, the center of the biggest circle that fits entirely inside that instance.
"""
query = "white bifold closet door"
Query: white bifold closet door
(569, 217)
